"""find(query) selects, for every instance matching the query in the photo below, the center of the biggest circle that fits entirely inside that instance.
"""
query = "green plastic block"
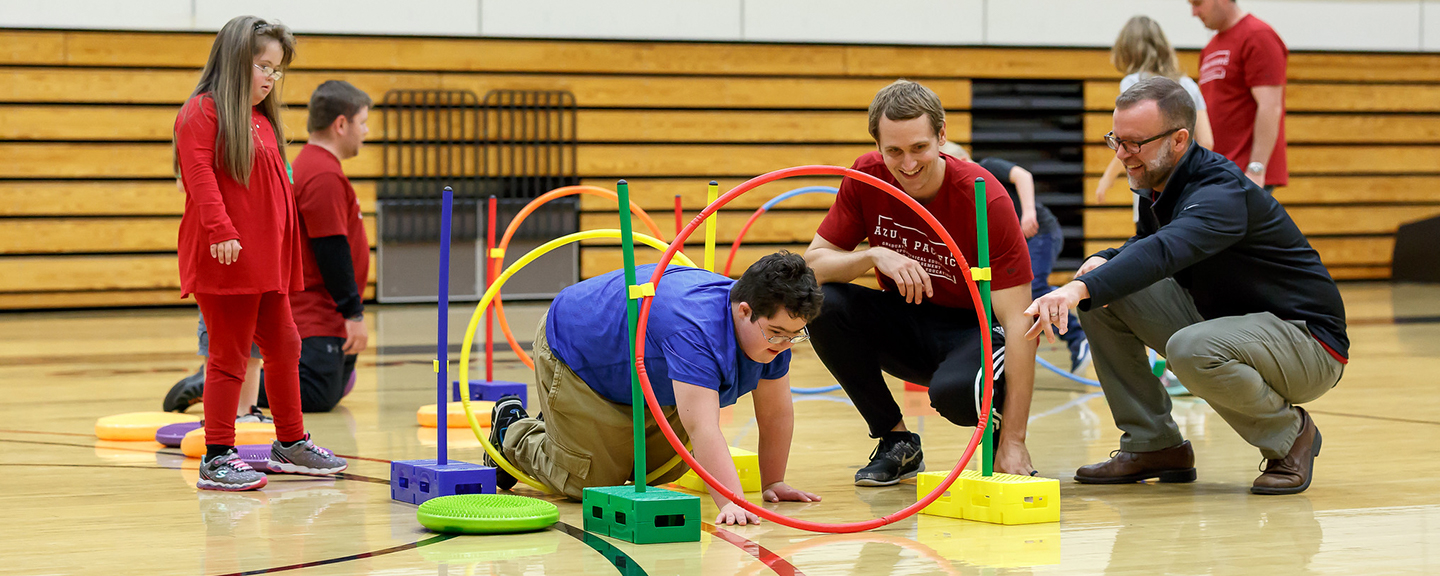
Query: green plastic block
(654, 516)
(595, 503)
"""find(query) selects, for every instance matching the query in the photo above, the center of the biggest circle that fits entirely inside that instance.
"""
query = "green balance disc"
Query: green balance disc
(486, 514)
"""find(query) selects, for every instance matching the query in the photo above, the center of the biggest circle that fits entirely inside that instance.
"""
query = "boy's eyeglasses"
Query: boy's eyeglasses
(804, 335)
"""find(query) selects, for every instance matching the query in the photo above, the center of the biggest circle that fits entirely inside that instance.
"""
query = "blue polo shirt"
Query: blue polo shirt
(690, 338)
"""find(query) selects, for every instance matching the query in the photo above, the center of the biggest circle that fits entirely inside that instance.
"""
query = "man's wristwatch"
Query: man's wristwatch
(1255, 168)
(359, 316)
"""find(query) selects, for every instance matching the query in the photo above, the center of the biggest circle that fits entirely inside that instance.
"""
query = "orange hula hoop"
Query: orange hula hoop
(525, 212)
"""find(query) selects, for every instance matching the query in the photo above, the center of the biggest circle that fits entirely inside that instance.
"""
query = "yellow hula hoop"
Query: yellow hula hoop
(480, 313)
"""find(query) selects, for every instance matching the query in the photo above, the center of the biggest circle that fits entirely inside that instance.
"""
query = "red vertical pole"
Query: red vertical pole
(679, 219)
(490, 272)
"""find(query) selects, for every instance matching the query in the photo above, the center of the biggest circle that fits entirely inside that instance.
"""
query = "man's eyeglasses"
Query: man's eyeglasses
(1131, 146)
(271, 73)
(804, 335)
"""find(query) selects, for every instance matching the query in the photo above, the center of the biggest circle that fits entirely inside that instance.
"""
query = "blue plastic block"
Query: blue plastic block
(416, 481)
(490, 390)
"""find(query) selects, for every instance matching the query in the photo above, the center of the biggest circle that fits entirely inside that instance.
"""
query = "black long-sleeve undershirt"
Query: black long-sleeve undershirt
(332, 257)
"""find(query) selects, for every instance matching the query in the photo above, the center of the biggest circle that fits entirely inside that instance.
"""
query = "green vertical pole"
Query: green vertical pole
(632, 313)
(982, 243)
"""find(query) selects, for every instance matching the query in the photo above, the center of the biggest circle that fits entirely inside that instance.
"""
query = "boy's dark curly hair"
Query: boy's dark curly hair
(780, 280)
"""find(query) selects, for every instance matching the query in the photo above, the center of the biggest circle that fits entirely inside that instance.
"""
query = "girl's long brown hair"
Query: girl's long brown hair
(1142, 47)
(226, 78)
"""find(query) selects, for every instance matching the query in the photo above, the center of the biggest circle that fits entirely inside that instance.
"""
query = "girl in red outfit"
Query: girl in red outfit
(240, 247)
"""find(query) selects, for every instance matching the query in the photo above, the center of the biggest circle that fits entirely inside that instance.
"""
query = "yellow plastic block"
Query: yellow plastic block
(747, 463)
(425, 416)
(1009, 498)
(991, 545)
(950, 504)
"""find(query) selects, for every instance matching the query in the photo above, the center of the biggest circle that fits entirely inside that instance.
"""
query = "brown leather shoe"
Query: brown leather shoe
(1173, 464)
(1292, 474)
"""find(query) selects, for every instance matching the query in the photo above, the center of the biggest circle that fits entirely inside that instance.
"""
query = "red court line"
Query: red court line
(363, 458)
(777, 564)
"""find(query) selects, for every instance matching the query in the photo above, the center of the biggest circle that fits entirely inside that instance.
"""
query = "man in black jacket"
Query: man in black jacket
(1222, 283)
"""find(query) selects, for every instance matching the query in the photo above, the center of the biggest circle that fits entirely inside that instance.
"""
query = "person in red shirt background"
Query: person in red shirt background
(230, 154)
(921, 326)
(329, 312)
(1242, 77)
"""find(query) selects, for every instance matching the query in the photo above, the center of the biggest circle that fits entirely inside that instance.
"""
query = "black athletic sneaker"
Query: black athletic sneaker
(897, 457)
(188, 392)
(507, 411)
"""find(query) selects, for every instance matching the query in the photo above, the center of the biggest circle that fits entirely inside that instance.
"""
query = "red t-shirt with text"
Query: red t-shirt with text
(327, 207)
(1247, 55)
(863, 212)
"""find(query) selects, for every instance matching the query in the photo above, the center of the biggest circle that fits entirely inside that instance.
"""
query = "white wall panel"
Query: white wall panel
(1431, 39)
(1342, 25)
(127, 15)
(638, 19)
(1086, 22)
(865, 21)
(1401, 25)
(445, 17)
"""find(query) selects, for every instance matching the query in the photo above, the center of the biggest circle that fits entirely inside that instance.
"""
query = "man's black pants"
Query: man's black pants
(861, 332)
(324, 370)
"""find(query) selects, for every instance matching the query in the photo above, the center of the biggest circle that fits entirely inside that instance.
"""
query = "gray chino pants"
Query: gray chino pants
(1251, 369)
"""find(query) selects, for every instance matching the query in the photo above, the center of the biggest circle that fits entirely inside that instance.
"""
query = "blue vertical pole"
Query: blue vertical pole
(442, 334)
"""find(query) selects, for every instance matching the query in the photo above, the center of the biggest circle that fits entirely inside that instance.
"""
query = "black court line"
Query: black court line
(40, 465)
(359, 478)
(622, 561)
(1369, 417)
(1395, 320)
(47, 433)
(391, 550)
(69, 445)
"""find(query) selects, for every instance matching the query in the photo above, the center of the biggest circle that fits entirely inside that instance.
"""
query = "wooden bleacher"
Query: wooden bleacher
(89, 207)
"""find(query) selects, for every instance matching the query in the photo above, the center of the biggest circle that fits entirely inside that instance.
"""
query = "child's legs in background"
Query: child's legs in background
(250, 388)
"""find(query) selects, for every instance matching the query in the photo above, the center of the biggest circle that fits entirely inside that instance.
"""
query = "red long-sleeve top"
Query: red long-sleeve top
(261, 216)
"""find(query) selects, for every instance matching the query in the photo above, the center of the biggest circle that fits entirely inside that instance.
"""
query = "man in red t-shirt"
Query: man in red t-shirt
(330, 311)
(921, 326)
(1242, 76)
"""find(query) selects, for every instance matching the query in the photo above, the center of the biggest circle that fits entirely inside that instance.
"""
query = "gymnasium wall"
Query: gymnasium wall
(89, 207)
(1390, 25)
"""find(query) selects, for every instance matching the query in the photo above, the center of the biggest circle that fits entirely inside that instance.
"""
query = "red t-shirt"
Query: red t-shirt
(328, 207)
(1247, 55)
(862, 212)
(260, 215)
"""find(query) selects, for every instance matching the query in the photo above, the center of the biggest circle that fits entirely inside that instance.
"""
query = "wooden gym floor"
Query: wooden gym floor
(72, 505)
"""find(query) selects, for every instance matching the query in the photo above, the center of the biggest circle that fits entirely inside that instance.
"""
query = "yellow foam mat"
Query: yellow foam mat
(137, 426)
(747, 463)
(999, 499)
(193, 444)
(426, 415)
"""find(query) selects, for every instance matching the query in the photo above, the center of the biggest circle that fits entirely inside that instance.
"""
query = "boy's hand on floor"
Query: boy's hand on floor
(732, 514)
(781, 491)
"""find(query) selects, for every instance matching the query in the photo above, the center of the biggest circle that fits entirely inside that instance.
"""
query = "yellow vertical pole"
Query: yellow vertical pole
(710, 197)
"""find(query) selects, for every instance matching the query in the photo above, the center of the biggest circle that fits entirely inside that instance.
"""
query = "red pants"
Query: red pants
(234, 321)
